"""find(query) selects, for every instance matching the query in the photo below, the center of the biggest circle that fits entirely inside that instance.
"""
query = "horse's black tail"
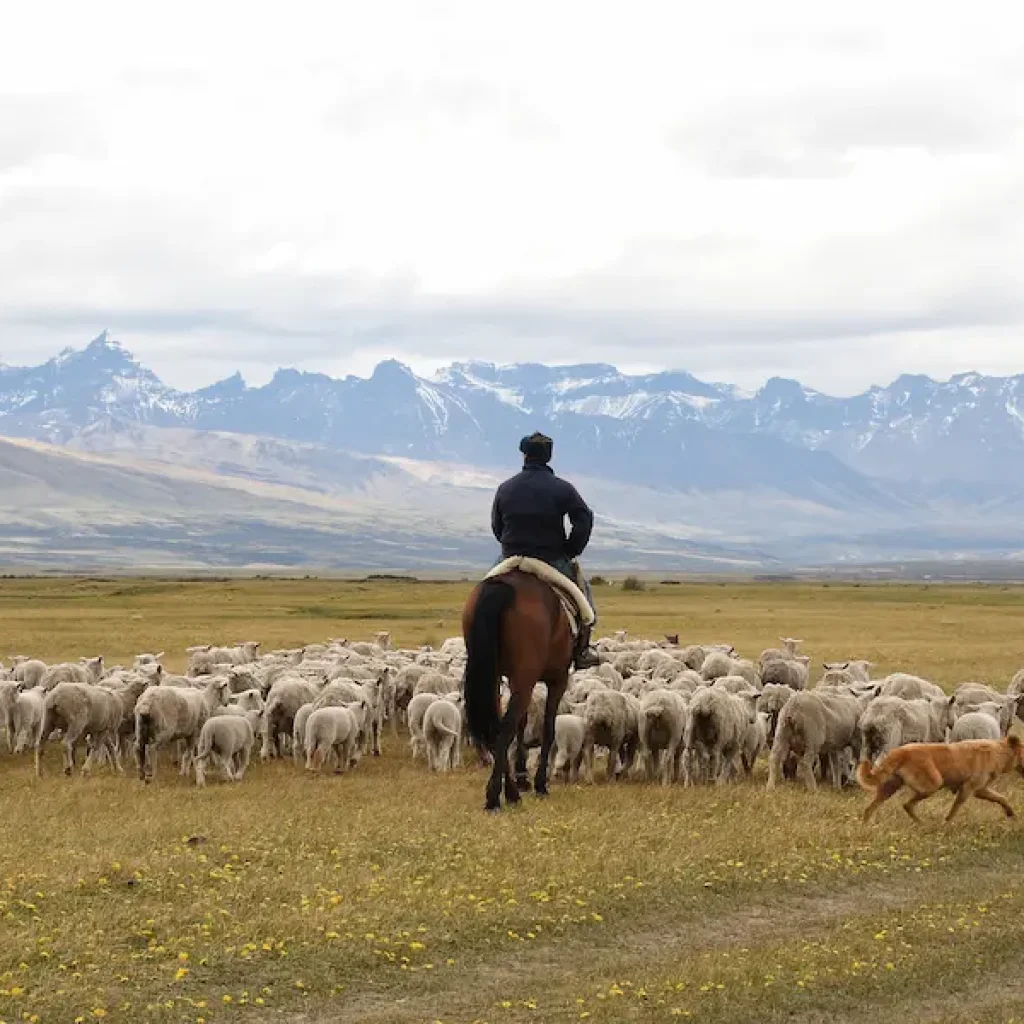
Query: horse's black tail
(482, 640)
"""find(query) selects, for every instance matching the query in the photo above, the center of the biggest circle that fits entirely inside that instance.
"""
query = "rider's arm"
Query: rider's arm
(582, 520)
(497, 521)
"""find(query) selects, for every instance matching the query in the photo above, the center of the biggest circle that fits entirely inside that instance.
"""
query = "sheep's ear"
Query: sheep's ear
(952, 701)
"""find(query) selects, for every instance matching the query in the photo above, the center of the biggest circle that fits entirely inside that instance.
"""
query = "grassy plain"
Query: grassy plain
(387, 895)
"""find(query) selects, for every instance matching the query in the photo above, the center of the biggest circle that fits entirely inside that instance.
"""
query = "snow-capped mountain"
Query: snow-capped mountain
(922, 459)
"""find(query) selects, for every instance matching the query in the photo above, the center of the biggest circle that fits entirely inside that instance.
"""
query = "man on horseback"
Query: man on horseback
(528, 518)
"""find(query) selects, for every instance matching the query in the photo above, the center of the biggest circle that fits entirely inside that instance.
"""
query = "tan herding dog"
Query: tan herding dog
(966, 769)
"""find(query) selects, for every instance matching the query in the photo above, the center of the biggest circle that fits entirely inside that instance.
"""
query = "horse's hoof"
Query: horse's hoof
(542, 791)
(523, 785)
(490, 808)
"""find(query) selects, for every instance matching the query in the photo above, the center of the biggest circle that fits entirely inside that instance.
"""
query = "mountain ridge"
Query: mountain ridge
(785, 471)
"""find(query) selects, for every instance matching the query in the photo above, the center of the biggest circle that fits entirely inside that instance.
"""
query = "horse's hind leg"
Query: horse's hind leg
(555, 692)
(500, 770)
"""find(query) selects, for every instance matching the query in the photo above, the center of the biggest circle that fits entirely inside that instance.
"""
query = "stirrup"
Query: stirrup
(585, 658)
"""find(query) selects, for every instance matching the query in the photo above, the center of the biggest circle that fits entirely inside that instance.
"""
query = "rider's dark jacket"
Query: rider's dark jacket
(528, 515)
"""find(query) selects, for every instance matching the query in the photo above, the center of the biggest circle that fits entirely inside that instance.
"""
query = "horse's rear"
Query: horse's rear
(514, 626)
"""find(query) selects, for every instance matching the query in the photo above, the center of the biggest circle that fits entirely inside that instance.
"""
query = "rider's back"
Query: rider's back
(529, 515)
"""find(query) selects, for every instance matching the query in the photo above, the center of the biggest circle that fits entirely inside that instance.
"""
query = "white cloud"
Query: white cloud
(739, 189)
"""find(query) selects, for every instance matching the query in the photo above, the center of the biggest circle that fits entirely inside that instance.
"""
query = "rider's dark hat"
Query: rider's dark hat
(537, 447)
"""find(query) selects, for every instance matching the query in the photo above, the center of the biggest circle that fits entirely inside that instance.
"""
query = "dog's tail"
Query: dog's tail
(868, 777)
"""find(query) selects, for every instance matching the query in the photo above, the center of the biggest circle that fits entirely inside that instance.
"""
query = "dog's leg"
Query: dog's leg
(912, 803)
(993, 797)
(961, 796)
(889, 788)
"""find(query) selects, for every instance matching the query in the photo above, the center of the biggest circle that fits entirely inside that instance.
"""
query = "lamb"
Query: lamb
(299, 733)
(716, 727)
(611, 720)
(983, 723)
(568, 749)
(167, 713)
(383, 640)
(1003, 710)
(754, 742)
(442, 735)
(345, 691)
(80, 710)
(29, 672)
(662, 728)
(815, 724)
(332, 730)
(29, 707)
(286, 696)
(416, 711)
(226, 739)
(968, 696)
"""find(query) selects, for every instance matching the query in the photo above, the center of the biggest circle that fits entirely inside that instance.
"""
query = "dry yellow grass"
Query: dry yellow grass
(388, 895)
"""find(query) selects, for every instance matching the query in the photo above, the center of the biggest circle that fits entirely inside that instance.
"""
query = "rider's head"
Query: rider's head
(536, 448)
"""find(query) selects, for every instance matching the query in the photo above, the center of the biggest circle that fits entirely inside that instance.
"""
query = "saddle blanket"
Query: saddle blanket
(574, 601)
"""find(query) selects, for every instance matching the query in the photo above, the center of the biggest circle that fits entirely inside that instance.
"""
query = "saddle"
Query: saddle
(573, 600)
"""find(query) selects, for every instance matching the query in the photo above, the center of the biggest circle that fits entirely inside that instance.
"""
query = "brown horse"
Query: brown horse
(514, 626)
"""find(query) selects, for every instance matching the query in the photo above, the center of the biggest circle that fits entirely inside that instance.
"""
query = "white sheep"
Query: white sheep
(570, 730)
(891, 722)
(442, 735)
(29, 672)
(9, 690)
(79, 710)
(791, 672)
(662, 731)
(299, 733)
(228, 741)
(900, 684)
(815, 724)
(416, 710)
(716, 727)
(90, 671)
(611, 720)
(29, 706)
(983, 723)
(332, 730)
(286, 696)
(754, 742)
(164, 714)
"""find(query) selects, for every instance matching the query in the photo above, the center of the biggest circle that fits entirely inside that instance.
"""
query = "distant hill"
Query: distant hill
(677, 468)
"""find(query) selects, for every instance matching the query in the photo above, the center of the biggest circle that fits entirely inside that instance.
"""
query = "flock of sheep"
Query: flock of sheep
(692, 714)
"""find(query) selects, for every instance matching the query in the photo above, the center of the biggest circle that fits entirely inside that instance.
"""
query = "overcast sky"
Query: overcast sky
(828, 191)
